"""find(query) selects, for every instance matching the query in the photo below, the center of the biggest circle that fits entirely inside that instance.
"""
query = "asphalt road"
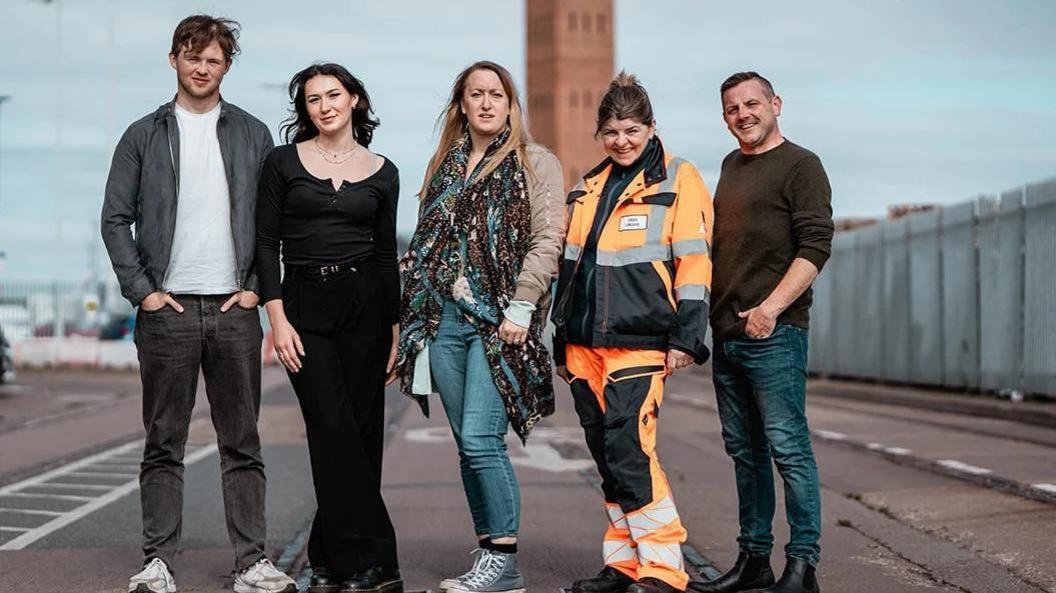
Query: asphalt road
(913, 499)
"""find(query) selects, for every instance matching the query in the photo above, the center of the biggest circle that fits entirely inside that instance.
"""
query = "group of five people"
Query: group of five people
(638, 250)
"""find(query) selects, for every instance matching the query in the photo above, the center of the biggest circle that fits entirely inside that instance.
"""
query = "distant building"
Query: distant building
(570, 63)
(903, 210)
(849, 223)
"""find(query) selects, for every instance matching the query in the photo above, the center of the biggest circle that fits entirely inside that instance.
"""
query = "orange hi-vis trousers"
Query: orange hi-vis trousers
(617, 393)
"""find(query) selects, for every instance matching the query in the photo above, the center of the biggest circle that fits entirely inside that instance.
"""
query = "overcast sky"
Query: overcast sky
(904, 100)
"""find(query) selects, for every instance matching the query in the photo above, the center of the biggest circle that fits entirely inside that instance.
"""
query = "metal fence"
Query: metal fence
(961, 297)
(49, 309)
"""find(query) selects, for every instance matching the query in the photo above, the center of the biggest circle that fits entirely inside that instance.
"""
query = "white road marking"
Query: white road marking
(102, 475)
(1051, 488)
(31, 512)
(898, 451)
(964, 467)
(75, 486)
(832, 436)
(46, 496)
(15, 529)
(539, 454)
(91, 504)
(875, 446)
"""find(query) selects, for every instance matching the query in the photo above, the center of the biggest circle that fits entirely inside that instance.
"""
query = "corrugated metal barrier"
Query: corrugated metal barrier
(961, 297)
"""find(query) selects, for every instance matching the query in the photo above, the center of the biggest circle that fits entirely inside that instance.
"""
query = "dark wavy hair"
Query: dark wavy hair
(299, 127)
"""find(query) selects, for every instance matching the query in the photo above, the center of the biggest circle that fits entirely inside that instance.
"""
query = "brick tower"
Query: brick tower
(570, 64)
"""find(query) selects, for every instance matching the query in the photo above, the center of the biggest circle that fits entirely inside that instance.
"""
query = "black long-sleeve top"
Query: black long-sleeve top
(318, 226)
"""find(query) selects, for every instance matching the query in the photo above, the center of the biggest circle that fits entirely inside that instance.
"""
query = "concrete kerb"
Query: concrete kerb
(978, 406)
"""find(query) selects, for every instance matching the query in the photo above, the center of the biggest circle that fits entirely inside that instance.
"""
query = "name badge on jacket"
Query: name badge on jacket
(634, 223)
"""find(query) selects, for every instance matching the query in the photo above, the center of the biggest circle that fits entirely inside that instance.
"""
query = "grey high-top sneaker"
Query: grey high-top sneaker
(447, 584)
(494, 572)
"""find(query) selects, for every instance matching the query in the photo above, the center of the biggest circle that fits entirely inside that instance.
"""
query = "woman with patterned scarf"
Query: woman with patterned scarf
(477, 280)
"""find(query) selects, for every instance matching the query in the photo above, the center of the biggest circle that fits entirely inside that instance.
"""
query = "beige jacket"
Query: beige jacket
(547, 196)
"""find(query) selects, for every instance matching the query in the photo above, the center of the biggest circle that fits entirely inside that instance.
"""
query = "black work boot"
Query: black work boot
(652, 585)
(798, 578)
(609, 580)
(750, 572)
(322, 581)
(377, 579)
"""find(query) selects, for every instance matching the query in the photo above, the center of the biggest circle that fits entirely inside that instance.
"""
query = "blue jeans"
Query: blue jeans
(478, 421)
(761, 388)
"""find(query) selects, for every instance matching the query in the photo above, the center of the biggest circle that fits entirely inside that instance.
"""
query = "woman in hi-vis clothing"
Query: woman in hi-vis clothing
(632, 307)
(477, 278)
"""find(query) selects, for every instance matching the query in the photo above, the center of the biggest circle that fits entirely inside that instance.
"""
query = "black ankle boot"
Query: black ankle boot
(750, 572)
(377, 579)
(609, 580)
(322, 581)
(798, 578)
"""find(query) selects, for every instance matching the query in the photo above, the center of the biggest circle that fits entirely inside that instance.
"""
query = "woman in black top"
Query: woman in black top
(331, 205)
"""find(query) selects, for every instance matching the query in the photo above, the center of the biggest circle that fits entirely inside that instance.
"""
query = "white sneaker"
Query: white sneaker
(453, 582)
(495, 572)
(154, 578)
(263, 577)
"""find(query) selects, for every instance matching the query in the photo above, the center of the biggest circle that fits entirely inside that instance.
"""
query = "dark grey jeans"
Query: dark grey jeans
(226, 348)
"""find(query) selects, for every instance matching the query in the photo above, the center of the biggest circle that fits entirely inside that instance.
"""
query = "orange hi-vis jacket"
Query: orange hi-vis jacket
(653, 262)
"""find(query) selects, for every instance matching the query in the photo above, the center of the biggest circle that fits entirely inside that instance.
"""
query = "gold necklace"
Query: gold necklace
(336, 159)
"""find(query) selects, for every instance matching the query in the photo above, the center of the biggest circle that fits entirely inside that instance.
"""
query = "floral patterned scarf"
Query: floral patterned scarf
(470, 242)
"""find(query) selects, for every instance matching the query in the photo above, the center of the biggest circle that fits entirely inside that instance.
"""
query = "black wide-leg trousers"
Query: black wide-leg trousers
(342, 324)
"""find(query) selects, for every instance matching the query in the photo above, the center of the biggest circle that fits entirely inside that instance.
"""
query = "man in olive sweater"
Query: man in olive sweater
(773, 233)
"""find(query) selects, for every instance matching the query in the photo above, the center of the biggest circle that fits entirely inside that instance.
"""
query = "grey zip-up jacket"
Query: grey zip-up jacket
(143, 184)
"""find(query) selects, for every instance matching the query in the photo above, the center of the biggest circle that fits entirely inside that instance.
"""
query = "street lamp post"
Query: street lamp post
(3, 99)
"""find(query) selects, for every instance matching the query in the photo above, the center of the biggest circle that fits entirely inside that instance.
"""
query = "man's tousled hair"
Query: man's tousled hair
(197, 31)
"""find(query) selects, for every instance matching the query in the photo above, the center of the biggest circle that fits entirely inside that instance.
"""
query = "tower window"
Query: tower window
(601, 23)
(572, 20)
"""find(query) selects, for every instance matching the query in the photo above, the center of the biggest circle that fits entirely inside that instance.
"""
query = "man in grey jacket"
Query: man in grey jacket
(186, 177)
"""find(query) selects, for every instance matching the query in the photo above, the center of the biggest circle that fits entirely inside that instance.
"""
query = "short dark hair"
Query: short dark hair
(626, 98)
(739, 77)
(197, 31)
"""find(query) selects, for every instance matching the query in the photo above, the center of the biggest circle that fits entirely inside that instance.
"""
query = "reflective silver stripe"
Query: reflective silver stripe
(660, 554)
(654, 249)
(572, 252)
(690, 247)
(672, 168)
(617, 551)
(647, 520)
(693, 292)
(634, 255)
(655, 234)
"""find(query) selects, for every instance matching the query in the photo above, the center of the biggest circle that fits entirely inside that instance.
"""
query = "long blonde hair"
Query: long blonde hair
(454, 124)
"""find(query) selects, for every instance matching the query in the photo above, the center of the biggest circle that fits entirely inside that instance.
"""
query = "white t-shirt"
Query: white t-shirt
(203, 247)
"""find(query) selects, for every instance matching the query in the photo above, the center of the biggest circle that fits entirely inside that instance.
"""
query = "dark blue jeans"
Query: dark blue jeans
(760, 386)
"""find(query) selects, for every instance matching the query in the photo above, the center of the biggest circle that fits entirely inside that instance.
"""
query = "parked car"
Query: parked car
(7, 360)
(120, 326)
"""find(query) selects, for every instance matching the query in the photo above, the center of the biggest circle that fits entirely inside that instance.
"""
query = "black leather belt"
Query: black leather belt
(322, 272)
